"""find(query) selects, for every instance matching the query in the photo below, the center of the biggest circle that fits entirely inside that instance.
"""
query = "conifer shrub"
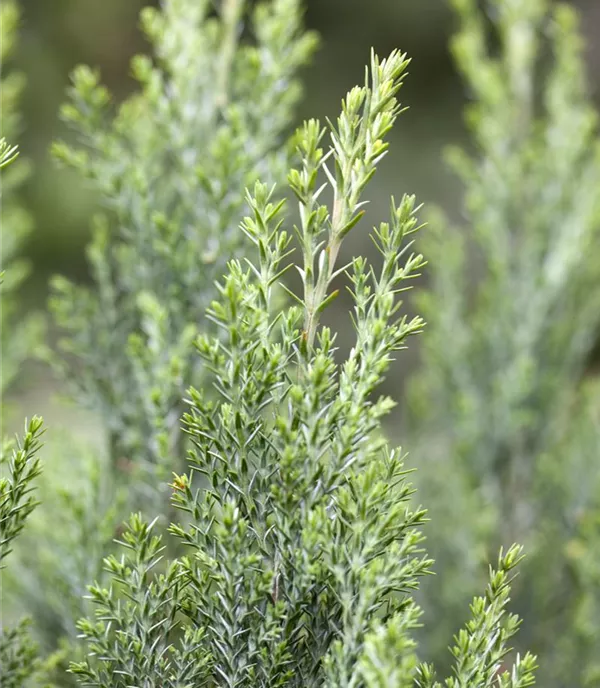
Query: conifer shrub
(212, 114)
(275, 538)
(301, 551)
(298, 551)
(501, 420)
(19, 467)
(19, 464)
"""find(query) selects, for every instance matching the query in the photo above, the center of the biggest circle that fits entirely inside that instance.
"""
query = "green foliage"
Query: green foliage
(169, 164)
(8, 153)
(303, 552)
(51, 581)
(481, 647)
(18, 334)
(572, 571)
(294, 554)
(16, 502)
(502, 364)
(18, 656)
(211, 116)
(20, 467)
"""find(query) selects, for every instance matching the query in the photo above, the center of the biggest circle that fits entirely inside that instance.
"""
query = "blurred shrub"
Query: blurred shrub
(211, 117)
(19, 335)
(506, 448)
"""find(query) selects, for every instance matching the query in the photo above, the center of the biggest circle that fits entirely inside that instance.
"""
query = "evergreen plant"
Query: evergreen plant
(302, 551)
(212, 115)
(213, 112)
(19, 467)
(287, 548)
(505, 429)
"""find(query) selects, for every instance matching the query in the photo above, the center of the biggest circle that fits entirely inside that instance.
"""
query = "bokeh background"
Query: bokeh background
(56, 35)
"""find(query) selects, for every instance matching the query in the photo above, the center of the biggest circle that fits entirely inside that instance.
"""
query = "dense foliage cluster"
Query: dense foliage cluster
(171, 164)
(301, 550)
(19, 467)
(19, 464)
(272, 536)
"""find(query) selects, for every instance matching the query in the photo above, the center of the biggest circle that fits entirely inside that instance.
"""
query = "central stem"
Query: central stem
(320, 292)
(338, 220)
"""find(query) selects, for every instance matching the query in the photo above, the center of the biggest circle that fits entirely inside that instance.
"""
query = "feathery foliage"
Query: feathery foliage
(211, 115)
(19, 467)
(210, 118)
(8, 153)
(481, 647)
(303, 552)
(294, 554)
(502, 367)
(16, 502)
